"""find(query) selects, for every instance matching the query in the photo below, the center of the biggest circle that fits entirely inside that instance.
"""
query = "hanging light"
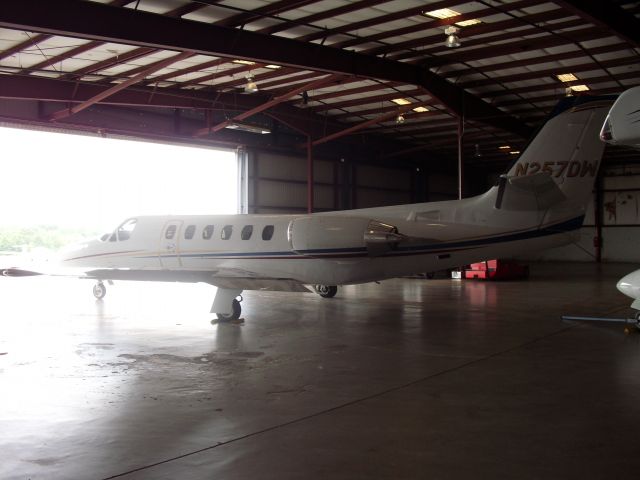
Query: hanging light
(453, 40)
(400, 119)
(252, 86)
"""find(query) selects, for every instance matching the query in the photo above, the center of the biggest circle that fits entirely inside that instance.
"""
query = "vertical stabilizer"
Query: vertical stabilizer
(568, 148)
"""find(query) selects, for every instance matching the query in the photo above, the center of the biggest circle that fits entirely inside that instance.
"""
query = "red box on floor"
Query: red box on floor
(496, 270)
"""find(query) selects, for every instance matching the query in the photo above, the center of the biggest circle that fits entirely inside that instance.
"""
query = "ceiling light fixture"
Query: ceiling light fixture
(401, 101)
(251, 86)
(515, 152)
(579, 88)
(566, 77)
(442, 13)
(248, 127)
(273, 67)
(420, 109)
(453, 40)
(400, 119)
(468, 23)
(504, 147)
(243, 62)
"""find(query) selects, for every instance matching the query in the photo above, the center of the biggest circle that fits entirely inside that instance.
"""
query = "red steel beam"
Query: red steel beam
(607, 15)
(77, 50)
(583, 67)
(467, 33)
(22, 45)
(350, 27)
(369, 100)
(537, 60)
(517, 46)
(60, 114)
(127, 56)
(334, 12)
(270, 9)
(360, 126)
(271, 103)
(431, 23)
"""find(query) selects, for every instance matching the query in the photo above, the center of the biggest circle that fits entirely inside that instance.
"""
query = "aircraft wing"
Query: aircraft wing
(18, 272)
(230, 278)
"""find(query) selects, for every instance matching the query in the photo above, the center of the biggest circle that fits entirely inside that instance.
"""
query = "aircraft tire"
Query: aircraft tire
(99, 290)
(237, 309)
(326, 291)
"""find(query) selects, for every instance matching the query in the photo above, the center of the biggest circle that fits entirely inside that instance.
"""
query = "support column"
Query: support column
(598, 198)
(309, 176)
(460, 156)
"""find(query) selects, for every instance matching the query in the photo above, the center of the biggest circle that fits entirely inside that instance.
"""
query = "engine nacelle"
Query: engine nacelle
(319, 235)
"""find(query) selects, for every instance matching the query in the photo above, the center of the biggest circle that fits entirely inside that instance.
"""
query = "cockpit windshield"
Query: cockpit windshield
(122, 233)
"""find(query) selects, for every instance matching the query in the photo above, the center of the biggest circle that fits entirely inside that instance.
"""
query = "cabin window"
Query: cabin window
(170, 233)
(267, 232)
(246, 232)
(126, 229)
(226, 232)
(207, 233)
(189, 232)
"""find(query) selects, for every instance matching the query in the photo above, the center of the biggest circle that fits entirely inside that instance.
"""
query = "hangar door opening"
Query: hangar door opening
(58, 188)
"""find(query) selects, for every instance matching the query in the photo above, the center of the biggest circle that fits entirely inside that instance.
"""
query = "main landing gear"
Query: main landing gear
(99, 290)
(226, 305)
(235, 313)
(326, 291)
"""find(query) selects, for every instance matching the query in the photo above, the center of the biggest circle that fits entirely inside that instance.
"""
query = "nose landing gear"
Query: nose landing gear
(99, 290)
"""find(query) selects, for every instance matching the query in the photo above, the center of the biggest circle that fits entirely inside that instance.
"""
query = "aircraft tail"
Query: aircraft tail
(567, 149)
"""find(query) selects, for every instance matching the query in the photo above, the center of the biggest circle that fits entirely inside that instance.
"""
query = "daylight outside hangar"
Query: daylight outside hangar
(326, 105)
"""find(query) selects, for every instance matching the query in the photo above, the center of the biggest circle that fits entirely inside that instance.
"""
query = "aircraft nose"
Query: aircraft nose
(630, 285)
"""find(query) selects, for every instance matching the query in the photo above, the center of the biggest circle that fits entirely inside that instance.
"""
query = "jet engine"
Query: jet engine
(320, 234)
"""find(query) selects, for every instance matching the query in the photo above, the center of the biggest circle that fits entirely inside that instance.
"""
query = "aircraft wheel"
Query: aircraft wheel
(326, 291)
(237, 309)
(99, 290)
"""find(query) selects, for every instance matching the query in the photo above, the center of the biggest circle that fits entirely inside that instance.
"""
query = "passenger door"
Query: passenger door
(169, 249)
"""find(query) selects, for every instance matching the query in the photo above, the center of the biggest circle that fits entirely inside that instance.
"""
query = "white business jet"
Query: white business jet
(622, 127)
(539, 203)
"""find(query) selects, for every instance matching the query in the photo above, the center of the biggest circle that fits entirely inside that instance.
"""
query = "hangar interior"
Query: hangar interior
(330, 105)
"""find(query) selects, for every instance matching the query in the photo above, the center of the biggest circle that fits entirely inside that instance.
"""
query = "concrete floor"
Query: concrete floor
(407, 379)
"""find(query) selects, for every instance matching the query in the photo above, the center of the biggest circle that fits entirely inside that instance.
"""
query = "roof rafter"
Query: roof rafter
(24, 45)
(60, 114)
(271, 103)
(360, 126)
(269, 9)
(607, 15)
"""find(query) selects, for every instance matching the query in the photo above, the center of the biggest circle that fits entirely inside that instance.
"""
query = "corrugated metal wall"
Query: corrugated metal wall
(620, 222)
(278, 184)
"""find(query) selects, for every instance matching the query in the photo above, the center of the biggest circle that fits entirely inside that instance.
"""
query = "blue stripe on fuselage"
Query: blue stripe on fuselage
(567, 226)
